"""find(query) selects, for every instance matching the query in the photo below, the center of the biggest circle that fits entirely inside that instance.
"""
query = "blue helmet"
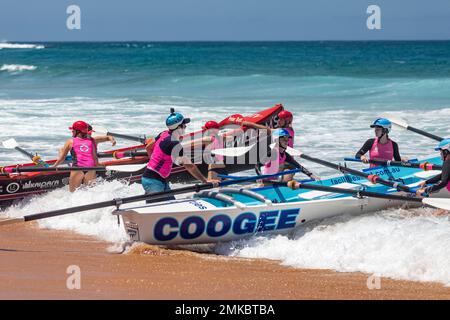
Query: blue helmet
(278, 133)
(383, 123)
(443, 145)
(175, 119)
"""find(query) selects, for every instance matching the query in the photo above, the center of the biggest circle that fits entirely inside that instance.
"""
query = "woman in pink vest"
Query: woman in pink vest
(381, 147)
(165, 150)
(278, 159)
(84, 154)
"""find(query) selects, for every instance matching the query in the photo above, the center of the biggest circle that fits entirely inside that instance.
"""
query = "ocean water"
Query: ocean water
(334, 89)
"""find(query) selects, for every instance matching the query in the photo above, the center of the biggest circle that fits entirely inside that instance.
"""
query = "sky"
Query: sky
(223, 20)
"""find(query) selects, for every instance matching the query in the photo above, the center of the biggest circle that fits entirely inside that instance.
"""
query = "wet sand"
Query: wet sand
(33, 264)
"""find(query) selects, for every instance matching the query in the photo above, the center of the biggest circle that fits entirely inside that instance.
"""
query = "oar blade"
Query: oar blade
(10, 144)
(99, 130)
(441, 203)
(294, 152)
(395, 120)
(127, 168)
(11, 221)
(232, 152)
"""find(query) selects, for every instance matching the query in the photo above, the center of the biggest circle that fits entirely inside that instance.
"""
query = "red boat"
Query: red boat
(16, 186)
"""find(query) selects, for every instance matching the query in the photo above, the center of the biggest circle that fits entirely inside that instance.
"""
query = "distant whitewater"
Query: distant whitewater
(17, 67)
(4, 45)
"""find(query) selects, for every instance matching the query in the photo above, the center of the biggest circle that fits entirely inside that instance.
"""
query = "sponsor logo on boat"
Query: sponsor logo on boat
(13, 187)
(219, 225)
(65, 181)
(132, 230)
(41, 185)
(350, 178)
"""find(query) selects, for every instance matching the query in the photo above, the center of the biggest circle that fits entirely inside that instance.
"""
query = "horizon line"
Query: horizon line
(329, 40)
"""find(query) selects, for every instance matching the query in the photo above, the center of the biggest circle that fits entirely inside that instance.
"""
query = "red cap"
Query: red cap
(81, 126)
(284, 114)
(211, 125)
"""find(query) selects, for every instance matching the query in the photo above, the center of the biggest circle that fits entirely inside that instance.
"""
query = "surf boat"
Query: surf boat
(236, 213)
(17, 186)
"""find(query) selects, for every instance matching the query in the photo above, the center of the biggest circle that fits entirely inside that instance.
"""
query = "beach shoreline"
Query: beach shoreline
(34, 264)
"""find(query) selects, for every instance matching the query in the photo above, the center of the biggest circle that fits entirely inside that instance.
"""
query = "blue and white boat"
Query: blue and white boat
(235, 213)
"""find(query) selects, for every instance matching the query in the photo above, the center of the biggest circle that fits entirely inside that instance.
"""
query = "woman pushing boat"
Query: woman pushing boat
(84, 154)
(165, 150)
(278, 159)
(381, 147)
(442, 180)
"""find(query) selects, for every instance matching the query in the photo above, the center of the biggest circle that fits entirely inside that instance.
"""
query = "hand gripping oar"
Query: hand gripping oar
(371, 177)
(424, 165)
(440, 203)
(99, 130)
(12, 144)
(119, 168)
(403, 124)
(153, 196)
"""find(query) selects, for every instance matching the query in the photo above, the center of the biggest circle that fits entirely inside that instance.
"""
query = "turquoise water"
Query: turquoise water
(320, 74)
(335, 89)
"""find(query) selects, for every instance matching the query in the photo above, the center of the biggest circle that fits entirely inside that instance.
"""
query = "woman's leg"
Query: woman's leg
(75, 180)
(89, 177)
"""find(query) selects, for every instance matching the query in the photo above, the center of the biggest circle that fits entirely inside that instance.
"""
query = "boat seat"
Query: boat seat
(221, 197)
(316, 194)
(248, 193)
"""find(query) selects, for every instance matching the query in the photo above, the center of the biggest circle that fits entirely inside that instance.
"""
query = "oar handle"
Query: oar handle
(424, 133)
(123, 154)
(28, 154)
(358, 193)
(127, 137)
(413, 163)
(19, 169)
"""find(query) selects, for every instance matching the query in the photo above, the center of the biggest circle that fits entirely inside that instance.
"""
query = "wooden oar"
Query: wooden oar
(99, 130)
(151, 196)
(441, 203)
(119, 168)
(403, 124)
(424, 165)
(12, 144)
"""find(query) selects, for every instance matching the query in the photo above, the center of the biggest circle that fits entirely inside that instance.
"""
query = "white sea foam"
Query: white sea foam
(99, 223)
(13, 68)
(4, 45)
(408, 245)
